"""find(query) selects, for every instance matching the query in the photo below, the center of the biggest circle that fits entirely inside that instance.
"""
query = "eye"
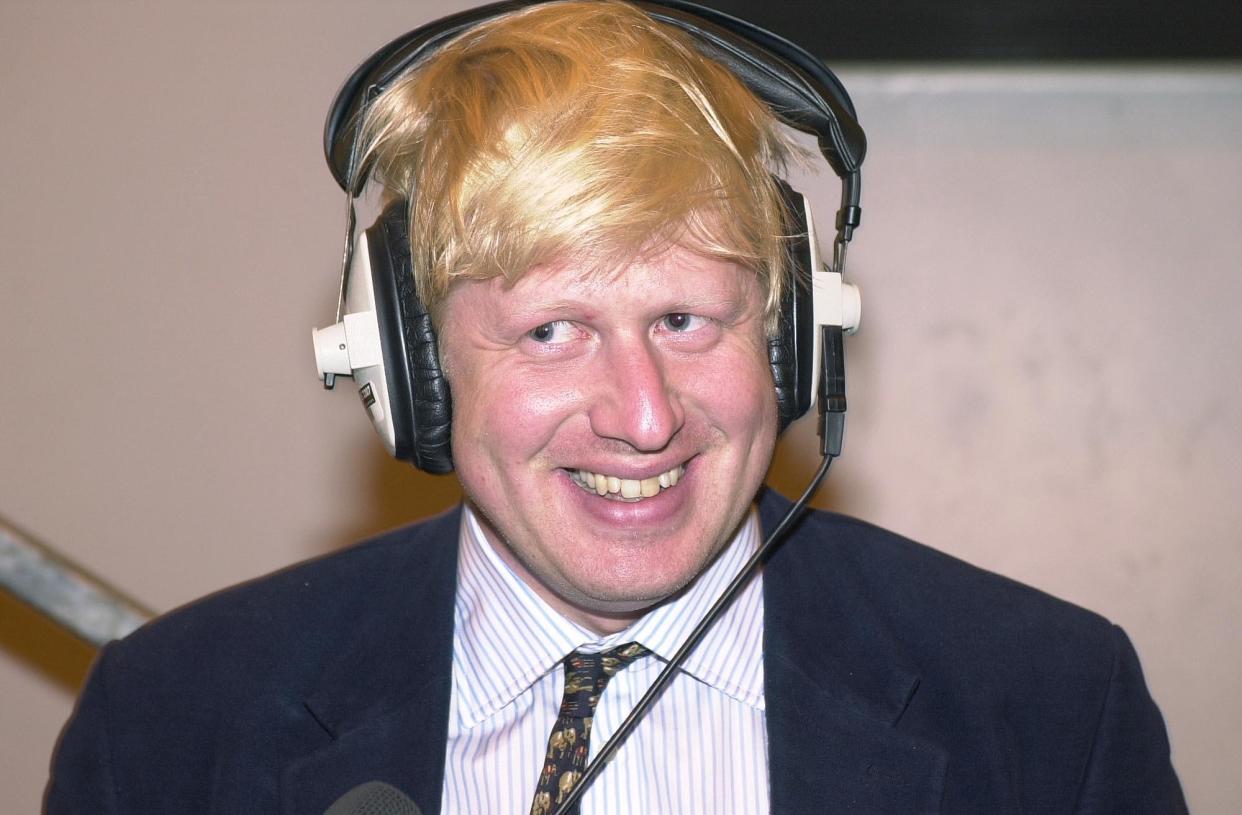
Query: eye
(681, 322)
(551, 333)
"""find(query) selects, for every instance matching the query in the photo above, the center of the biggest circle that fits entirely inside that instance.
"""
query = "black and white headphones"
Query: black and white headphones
(383, 336)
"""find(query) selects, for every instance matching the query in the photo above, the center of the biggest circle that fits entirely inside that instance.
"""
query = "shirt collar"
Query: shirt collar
(506, 636)
(730, 657)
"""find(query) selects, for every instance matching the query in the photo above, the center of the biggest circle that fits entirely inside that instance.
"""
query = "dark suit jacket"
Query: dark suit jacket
(898, 680)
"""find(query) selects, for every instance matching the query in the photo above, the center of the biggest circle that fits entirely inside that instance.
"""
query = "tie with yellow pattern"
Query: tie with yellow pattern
(586, 675)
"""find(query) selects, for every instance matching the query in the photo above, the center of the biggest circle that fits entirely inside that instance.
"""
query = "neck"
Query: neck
(602, 617)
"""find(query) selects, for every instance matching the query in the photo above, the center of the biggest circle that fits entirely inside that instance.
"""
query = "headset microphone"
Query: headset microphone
(836, 310)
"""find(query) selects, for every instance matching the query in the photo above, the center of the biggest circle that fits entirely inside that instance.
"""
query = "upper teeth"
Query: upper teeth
(627, 487)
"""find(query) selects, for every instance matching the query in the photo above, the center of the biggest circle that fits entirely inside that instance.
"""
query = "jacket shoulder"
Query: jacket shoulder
(216, 689)
(1032, 698)
(921, 588)
(301, 607)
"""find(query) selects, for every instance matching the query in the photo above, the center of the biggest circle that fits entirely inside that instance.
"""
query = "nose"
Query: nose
(636, 402)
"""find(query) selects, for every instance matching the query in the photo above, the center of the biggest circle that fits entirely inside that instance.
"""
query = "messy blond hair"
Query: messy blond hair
(581, 130)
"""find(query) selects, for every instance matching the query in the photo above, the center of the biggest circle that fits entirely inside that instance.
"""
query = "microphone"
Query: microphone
(374, 798)
(831, 404)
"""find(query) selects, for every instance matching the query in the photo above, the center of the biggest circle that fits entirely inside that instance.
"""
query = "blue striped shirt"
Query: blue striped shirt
(701, 748)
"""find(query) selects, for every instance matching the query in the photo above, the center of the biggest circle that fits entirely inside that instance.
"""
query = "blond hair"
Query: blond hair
(581, 130)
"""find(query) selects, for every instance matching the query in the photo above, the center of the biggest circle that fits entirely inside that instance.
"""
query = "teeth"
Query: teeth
(627, 489)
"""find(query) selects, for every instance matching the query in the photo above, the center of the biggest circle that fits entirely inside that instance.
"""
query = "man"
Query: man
(599, 240)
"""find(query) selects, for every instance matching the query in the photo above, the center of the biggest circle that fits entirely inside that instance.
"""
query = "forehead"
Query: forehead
(672, 273)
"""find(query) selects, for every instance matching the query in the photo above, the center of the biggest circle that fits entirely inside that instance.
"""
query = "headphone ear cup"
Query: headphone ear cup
(790, 351)
(780, 353)
(422, 402)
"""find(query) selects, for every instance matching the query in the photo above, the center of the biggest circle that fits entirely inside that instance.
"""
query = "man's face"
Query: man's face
(611, 429)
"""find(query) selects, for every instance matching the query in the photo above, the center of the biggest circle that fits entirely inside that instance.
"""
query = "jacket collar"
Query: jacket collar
(384, 703)
(837, 682)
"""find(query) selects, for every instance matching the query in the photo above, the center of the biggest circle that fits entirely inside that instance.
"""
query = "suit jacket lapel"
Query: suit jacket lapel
(836, 684)
(383, 706)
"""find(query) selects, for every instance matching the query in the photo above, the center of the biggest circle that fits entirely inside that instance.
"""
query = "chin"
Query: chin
(638, 583)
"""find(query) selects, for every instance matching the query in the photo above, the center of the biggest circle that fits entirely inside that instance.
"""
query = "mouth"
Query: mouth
(629, 490)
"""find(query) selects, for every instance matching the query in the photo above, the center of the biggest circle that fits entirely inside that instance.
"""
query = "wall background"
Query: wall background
(1046, 384)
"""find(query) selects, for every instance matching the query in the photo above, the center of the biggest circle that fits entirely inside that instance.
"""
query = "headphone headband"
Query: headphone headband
(799, 88)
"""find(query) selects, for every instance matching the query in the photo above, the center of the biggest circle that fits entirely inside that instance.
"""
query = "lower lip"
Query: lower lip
(658, 510)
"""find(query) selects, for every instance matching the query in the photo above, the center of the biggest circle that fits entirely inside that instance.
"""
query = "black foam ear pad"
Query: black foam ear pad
(421, 403)
(790, 350)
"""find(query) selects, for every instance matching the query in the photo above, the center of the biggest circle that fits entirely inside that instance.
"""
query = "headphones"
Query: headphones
(383, 336)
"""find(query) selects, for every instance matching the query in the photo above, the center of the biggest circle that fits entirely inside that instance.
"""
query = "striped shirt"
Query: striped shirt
(702, 747)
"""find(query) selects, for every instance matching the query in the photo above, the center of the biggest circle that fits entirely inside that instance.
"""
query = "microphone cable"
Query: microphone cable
(657, 687)
(830, 406)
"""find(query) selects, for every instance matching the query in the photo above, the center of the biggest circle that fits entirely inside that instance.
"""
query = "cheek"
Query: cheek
(506, 414)
(737, 390)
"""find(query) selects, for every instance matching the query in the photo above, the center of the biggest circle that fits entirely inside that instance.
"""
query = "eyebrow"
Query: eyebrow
(536, 309)
(592, 290)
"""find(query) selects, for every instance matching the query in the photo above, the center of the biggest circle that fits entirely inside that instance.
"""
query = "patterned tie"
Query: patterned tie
(586, 675)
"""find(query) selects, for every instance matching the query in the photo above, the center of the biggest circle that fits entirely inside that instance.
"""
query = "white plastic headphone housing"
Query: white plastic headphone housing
(833, 301)
(352, 346)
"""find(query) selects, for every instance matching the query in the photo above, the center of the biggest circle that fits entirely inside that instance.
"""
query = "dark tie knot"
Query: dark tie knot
(587, 674)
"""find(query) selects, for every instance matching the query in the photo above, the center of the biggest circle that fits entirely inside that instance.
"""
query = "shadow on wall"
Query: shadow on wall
(42, 645)
(797, 459)
(396, 494)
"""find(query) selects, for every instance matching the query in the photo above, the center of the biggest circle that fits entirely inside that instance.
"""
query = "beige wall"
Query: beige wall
(1046, 384)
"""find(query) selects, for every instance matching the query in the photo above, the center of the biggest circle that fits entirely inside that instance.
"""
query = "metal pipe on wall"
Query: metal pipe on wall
(66, 593)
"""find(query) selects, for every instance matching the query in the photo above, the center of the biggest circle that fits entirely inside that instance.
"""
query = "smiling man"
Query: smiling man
(630, 421)
(586, 209)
